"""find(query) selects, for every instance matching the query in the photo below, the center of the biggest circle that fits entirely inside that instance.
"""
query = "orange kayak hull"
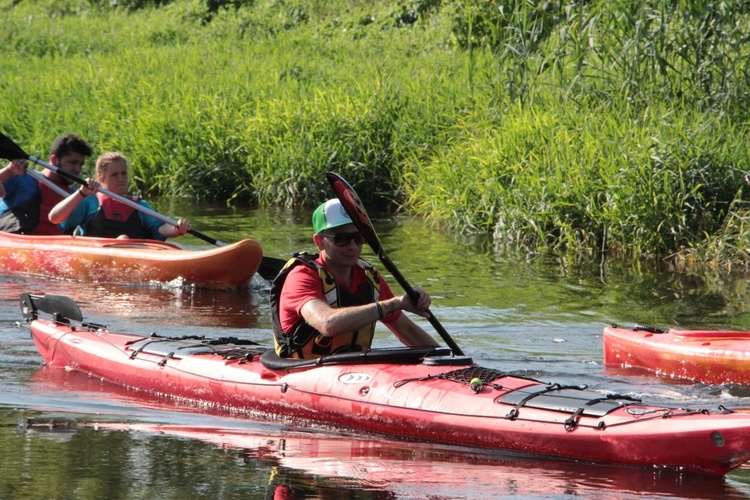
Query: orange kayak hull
(111, 260)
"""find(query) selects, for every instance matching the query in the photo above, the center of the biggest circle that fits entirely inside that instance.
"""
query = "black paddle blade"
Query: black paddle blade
(61, 307)
(356, 210)
(270, 267)
(10, 150)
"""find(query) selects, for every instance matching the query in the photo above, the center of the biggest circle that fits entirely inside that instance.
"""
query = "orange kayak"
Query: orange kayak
(710, 356)
(128, 261)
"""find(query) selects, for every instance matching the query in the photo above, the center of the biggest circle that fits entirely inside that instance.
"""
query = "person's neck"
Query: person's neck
(53, 177)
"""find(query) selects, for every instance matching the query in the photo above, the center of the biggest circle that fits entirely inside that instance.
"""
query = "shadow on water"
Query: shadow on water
(307, 464)
(170, 305)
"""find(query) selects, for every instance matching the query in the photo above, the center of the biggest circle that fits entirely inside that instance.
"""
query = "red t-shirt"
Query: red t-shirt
(303, 285)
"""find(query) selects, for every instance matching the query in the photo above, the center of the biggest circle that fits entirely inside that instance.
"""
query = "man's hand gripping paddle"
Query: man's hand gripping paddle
(353, 206)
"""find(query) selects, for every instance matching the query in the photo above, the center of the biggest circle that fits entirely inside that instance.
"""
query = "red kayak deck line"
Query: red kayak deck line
(112, 260)
(713, 357)
(421, 399)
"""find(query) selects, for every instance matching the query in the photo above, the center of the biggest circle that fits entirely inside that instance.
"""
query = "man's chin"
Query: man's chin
(352, 261)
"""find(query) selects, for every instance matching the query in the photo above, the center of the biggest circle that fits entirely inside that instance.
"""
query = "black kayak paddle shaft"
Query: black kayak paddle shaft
(356, 210)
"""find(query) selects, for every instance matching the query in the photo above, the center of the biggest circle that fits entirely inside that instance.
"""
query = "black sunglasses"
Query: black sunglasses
(343, 239)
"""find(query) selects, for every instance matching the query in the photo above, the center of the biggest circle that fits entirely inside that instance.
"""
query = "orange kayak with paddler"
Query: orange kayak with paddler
(111, 260)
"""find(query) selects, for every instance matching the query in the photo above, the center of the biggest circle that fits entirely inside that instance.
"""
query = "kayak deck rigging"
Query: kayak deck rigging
(574, 400)
(415, 393)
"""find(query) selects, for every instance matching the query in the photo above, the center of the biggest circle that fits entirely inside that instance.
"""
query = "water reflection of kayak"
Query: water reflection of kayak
(410, 468)
(419, 394)
(128, 261)
(709, 356)
(335, 460)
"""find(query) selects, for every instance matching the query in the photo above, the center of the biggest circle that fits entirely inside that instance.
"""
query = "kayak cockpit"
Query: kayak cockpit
(64, 309)
(433, 356)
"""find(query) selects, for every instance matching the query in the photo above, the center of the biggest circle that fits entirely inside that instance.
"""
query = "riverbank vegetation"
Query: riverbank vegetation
(617, 127)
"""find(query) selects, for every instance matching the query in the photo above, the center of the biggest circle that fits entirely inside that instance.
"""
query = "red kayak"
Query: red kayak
(422, 394)
(111, 260)
(713, 357)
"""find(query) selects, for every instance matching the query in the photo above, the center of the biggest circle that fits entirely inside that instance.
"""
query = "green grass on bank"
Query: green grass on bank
(617, 127)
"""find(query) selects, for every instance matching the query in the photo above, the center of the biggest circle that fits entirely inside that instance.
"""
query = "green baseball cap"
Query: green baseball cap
(329, 215)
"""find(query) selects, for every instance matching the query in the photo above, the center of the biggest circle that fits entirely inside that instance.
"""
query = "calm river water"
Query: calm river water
(539, 316)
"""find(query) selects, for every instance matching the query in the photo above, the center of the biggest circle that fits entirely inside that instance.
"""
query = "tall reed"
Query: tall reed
(615, 127)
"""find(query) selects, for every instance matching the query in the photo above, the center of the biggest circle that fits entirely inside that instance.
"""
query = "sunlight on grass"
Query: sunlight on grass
(615, 128)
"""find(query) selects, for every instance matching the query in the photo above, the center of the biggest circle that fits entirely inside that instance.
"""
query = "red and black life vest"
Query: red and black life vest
(32, 215)
(49, 198)
(115, 218)
(304, 341)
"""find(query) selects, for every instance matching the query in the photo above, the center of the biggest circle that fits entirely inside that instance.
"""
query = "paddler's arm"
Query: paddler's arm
(62, 210)
(408, 332)
(15, 167)
(170, 231)
(337, 321)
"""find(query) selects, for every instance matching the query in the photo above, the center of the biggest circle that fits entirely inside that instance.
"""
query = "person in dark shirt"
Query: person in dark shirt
(25, 202)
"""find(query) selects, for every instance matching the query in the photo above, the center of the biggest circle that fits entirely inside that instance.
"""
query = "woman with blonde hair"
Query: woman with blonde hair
(99, 215)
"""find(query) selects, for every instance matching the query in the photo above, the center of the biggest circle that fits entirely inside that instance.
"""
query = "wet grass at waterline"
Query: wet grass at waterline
(615, 127)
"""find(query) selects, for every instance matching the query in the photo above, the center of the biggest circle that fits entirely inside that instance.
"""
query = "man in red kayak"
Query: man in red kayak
(330, 303)
(99, 215)
(25, 202)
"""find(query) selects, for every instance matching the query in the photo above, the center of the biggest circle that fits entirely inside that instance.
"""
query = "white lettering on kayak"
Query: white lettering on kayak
(354, 378)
